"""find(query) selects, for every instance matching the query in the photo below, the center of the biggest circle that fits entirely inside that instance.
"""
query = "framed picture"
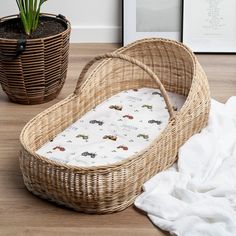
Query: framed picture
(151, 18)
(209, 26)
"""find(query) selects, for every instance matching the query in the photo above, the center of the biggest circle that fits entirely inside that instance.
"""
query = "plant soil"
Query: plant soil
(48, 26)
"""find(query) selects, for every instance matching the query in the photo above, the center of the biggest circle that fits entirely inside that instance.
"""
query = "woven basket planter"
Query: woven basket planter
(154, 63)
(38, 74)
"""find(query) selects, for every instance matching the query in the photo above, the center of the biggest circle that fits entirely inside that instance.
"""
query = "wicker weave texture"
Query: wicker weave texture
(37, 76)
(106, 189)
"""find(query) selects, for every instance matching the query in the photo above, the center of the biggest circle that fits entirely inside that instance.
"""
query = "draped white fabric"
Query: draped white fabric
(197, 196)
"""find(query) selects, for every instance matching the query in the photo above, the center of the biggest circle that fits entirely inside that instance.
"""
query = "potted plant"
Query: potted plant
(33, 53)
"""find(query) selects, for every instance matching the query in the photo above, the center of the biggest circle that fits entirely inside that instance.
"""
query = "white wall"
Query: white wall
(92, 20)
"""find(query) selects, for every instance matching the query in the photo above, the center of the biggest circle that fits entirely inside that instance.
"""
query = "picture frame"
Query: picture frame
(209, 26)
(152, 18)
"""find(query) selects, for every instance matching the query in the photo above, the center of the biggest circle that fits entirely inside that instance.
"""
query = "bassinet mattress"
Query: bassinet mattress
(116, 129)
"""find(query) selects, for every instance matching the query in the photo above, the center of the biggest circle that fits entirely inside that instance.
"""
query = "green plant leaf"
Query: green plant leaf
(29, 11)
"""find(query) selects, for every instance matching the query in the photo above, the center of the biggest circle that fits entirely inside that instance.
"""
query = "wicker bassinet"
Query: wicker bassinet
(112, 188)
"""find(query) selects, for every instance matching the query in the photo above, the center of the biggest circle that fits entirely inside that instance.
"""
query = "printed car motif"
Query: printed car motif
(116, 107)
(96, 122)
(129, 117)
(123, 147)
(147, 106)
(157, 93)
(61, 149)
(84, 137)
(158, 122)
(145, 136)
(92, 155)
(111, 137)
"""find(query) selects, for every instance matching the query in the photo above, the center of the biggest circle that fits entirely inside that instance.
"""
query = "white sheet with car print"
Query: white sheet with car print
(116, 129)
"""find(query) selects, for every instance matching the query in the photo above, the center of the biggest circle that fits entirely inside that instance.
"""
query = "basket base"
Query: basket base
(87, 209)
(34, 101)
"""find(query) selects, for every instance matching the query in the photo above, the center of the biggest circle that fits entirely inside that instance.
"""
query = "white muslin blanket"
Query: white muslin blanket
(197, 196)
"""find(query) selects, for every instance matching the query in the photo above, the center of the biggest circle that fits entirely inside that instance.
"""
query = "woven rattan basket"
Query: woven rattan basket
(112, 188)
(36, 76)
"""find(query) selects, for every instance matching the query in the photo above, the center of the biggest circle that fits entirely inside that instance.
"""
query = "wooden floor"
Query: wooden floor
(21, 213)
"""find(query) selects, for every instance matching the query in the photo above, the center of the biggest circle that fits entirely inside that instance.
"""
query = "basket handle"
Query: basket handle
(81, 79)
(20, 48)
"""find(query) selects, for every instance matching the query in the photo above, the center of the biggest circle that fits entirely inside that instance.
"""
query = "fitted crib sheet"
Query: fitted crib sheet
(116, 129)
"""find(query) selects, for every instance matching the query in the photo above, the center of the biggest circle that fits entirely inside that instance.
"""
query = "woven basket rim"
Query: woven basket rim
(133, 158)
(37, 39)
